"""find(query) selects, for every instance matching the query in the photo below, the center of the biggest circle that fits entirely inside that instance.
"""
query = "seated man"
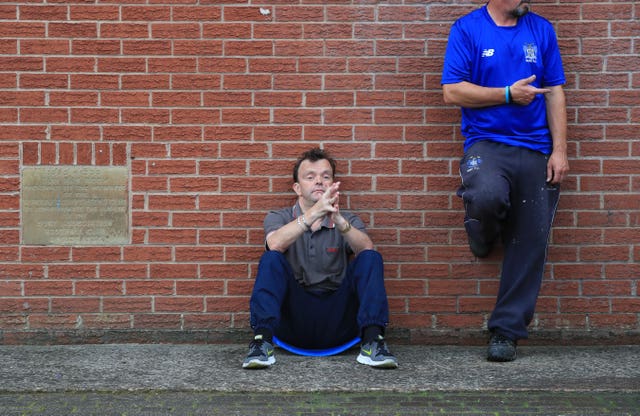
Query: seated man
(319, 283)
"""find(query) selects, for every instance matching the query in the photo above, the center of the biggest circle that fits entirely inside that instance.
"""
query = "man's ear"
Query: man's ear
(296, 188)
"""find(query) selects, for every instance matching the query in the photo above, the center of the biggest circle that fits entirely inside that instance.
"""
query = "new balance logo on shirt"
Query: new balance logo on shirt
(487, 53)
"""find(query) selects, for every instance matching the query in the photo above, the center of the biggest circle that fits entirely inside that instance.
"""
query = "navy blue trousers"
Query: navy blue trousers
(311, 320)
(506, 196)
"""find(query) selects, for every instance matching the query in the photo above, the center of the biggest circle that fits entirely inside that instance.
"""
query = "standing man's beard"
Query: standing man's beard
(522, 9)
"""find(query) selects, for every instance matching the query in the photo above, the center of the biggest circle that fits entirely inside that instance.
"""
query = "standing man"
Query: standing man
(503, 68)
(319, 282)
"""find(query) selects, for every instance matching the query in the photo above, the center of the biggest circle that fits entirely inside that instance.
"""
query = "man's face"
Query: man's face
(313, 180)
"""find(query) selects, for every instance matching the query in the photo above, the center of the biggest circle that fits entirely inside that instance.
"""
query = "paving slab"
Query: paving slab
(169, 403)
(131, 367)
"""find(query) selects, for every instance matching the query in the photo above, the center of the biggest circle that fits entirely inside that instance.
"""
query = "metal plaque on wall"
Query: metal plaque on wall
(75, 205)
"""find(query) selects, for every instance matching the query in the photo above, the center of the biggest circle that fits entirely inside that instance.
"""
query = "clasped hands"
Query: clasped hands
(328, 204)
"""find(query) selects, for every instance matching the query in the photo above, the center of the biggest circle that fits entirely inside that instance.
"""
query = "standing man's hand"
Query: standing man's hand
(522, 92)
(557, 167)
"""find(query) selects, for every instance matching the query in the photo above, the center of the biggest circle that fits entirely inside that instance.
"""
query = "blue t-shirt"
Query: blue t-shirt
(482, 53)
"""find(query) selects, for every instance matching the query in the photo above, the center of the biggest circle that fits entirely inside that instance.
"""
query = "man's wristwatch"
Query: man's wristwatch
(346, 229)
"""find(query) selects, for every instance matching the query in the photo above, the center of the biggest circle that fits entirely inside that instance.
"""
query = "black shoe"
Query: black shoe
(501, 349)
(479, 249)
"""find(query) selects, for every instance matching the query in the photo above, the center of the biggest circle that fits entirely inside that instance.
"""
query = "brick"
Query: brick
(94, 12)
(106, 321)
(71, 271)
(155, 13)
(453, 321)
(479, 305)
(200, 287)
(611, 321)
(11, 288)
(145, 116)
(225, 65)
(173, 271)
(93, 115)
(99, 288)
(157, 320)
(226, 304)
(226, 30)
(23, 305)
(172, 167)
(9, 167)
(196, 82)
(245, 116)
(207, 321)
(94, 81)
(30, 153)
(618, 288)
(53, 321)
(45, 254)
(125, 30)
(23, 30)
(48, 288)
(584, 305)
(206, 13)
(128, 305)
(21, 271)
(175, 30)
(122, 271)
(75, 305)
(172, 236)
(146, 254)
(8, 115)
(412, 321)
(239, 287)
(226, 270)
(172, 202)
(179, 304)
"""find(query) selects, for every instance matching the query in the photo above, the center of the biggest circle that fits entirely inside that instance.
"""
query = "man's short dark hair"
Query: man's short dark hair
(313, 155)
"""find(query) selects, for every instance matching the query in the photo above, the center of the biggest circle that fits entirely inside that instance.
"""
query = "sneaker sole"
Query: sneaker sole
(256, 364)
(500, 359)
(388, 363)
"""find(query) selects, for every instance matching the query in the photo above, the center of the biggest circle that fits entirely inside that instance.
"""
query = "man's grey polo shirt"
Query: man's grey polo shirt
(319, 259)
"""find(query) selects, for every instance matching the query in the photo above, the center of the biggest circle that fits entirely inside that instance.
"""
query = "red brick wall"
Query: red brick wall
(208, 103)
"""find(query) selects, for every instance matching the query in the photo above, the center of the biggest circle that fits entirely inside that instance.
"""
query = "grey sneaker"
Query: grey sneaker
(260, 354)
(376, 354)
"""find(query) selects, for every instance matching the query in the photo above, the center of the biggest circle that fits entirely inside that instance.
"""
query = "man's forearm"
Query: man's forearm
(283, 237)
(468, 95)
(557, 118)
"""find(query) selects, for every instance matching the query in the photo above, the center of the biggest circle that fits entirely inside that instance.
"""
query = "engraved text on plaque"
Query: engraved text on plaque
(75, 205)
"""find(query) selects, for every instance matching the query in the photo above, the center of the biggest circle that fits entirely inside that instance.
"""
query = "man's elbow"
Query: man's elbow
(273, 246)
(448, 96)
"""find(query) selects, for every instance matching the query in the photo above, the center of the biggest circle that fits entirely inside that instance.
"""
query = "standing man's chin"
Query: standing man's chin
(521, 10)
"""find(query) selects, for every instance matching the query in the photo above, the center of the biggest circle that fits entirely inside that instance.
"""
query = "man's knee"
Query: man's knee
(272, 257)
(371, 256)
(487, 201)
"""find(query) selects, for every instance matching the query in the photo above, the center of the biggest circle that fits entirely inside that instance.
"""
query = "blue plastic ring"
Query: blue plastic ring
(316, 353)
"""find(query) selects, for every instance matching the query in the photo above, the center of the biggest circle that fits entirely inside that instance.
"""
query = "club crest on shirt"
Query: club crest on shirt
(530, 53)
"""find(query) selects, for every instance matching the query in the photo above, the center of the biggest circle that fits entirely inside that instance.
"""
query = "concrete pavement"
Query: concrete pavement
(126, 379)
